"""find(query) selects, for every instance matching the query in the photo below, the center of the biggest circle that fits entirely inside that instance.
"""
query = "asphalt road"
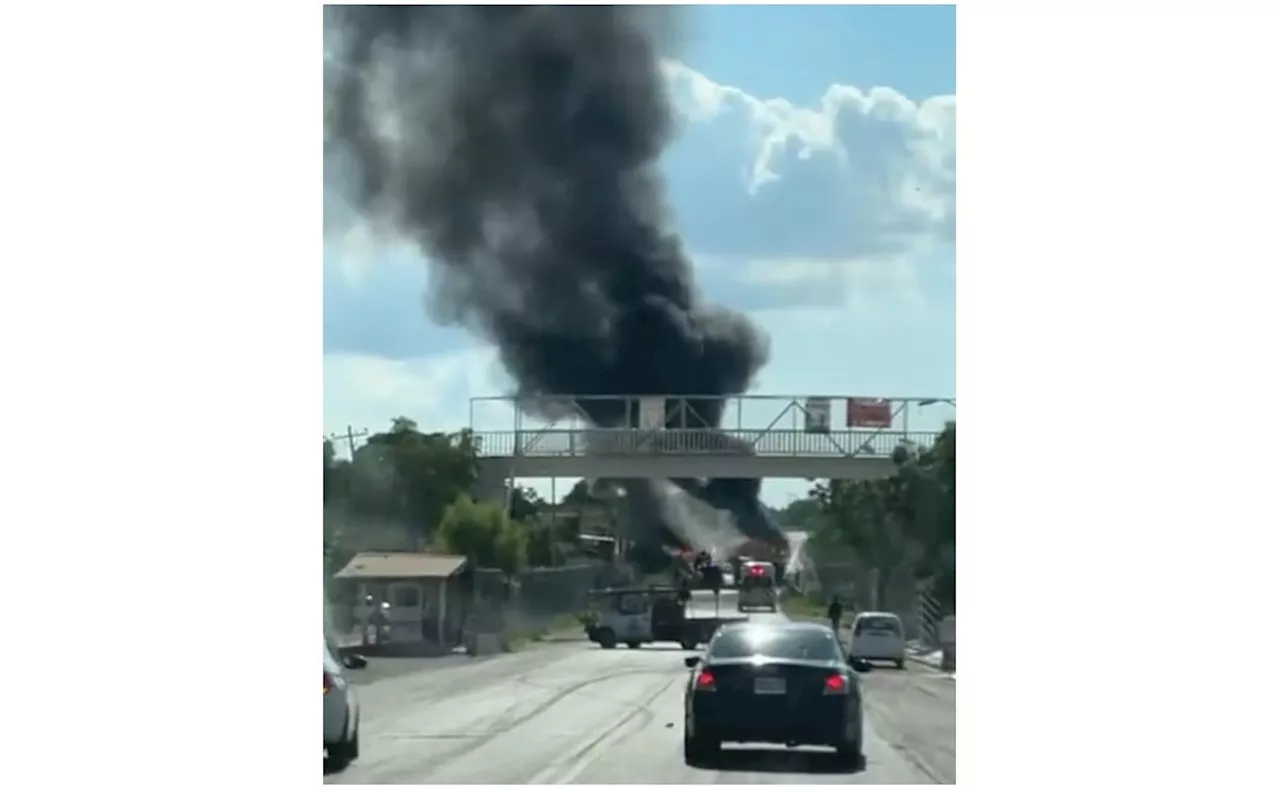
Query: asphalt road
(575, 713)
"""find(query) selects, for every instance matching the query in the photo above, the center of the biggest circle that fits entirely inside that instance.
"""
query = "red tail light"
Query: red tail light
(836, 685)
(328, 683)
(706, 681)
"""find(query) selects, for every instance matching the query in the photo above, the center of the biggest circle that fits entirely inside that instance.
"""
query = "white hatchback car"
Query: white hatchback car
(877, 635)
(341, 711)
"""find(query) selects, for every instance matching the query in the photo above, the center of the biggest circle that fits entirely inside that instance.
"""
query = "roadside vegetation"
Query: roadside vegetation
(904, 523)
(414, 489)
(409, 490)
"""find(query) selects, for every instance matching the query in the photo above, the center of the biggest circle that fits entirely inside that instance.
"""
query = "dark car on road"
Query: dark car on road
(764, 682)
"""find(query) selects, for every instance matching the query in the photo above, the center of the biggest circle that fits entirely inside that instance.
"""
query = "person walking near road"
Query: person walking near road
(834, 612)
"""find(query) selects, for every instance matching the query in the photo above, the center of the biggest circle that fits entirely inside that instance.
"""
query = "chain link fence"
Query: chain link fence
(539, 600)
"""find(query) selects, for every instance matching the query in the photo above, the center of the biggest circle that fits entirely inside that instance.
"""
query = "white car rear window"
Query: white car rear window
(878, 624)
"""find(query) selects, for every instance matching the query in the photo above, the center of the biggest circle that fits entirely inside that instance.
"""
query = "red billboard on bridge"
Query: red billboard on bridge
(869, 412)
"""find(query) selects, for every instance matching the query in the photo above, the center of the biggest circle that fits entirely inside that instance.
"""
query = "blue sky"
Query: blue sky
(814, 183)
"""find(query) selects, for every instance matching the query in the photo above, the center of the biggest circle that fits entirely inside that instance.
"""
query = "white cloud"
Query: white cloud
(886, 163)
(855, 274)
(872, 287)
(356, 248)
(367, 391)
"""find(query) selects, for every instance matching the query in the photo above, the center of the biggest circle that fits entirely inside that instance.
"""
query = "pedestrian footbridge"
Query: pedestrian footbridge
(676, 436)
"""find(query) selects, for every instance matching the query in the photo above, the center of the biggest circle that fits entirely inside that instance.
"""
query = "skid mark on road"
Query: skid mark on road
(430, 685)
(504, 724)
(583, 757)
(530, 716)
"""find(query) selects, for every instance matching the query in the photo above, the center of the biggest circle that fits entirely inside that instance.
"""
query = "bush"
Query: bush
(482, 532)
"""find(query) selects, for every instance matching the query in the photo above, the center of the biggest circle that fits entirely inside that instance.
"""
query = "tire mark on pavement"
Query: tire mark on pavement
(579, 760)
(503, 725)
(383, 766)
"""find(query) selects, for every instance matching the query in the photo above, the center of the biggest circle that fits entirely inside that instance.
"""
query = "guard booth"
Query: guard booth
(427, 593)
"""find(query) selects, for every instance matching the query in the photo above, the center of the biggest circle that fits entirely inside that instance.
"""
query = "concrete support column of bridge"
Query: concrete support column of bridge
(491, 484)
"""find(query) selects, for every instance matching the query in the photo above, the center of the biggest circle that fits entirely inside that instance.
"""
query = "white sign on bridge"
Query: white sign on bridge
(653, 413)
(817, 415)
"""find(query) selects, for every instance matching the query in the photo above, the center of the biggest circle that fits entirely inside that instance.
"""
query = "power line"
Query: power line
(350, 436)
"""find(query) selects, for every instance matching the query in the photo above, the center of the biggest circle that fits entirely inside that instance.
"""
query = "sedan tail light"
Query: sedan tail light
(706, 682)
(328, 683)
(835, 685)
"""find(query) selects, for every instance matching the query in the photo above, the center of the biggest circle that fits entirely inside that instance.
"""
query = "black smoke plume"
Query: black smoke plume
(517, 147)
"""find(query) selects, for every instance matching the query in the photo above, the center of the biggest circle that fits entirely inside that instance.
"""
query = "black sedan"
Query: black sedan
(786, 682)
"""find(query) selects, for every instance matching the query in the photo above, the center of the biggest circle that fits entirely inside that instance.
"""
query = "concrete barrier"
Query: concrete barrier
(947, 640)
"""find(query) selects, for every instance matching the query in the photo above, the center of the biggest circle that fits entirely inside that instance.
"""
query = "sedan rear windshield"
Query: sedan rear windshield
(878, 624)
(778, 643)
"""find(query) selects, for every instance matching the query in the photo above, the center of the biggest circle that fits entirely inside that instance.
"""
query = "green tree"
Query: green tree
(802, 514)
(510, 548)
(404, 475)
(541, 544)
(337, 475)
(525, 503)
(905, 520)
(482, 532)
(928, 502)
(580, 493)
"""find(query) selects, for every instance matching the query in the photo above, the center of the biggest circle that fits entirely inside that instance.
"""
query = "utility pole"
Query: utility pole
(350, 436)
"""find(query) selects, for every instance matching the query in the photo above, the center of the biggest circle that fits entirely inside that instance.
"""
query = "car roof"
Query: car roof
(621, 590)
(888, 614)
(785, 624)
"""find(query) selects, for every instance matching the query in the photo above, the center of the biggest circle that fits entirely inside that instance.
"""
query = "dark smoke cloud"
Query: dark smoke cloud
(517, 147)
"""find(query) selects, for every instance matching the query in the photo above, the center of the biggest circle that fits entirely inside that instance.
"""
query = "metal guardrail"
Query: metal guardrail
(602, 442)
(702, 412)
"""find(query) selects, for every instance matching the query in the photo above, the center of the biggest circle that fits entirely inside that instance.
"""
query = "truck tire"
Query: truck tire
(608, 639)
(633, 644)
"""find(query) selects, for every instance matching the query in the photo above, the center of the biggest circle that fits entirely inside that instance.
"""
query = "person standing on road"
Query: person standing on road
(834, 612)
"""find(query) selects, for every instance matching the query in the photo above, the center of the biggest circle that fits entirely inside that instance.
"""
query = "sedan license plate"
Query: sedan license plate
(770, 686)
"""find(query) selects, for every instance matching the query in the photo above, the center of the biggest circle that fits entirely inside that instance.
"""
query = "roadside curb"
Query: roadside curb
(562, 638)
(924, 659)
